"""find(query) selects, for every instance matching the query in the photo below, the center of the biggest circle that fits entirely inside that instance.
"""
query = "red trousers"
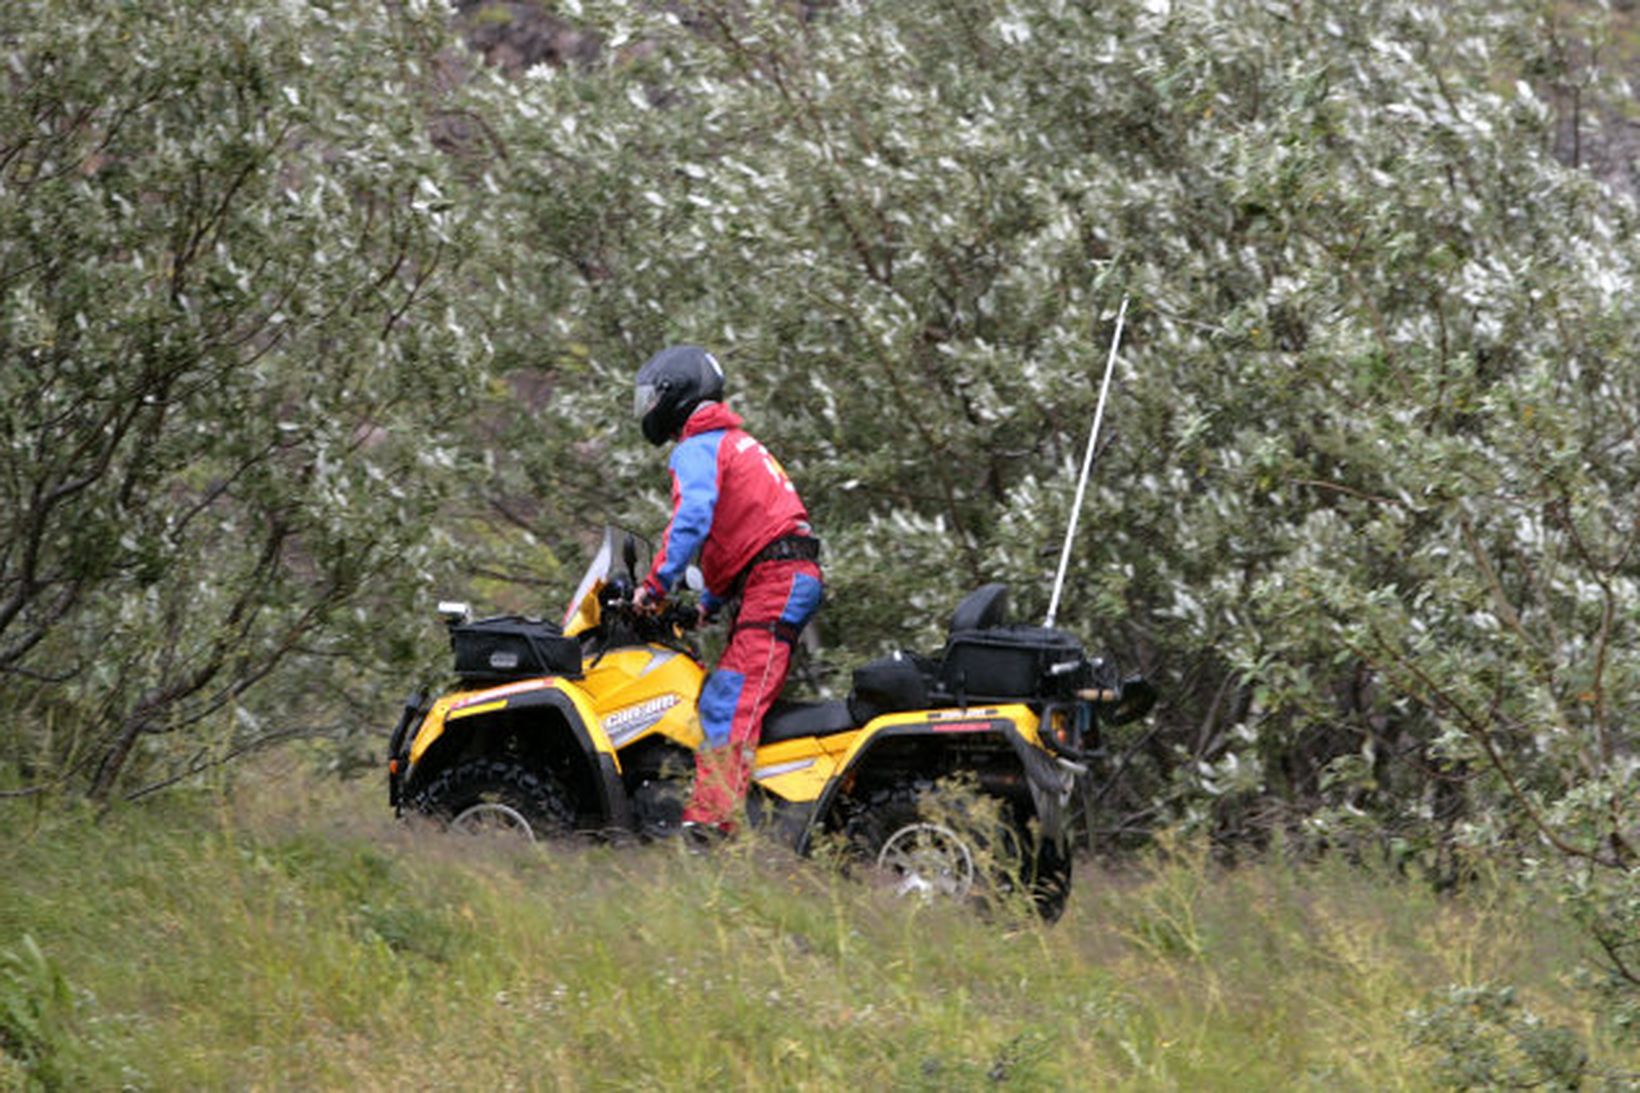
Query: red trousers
(777, 600)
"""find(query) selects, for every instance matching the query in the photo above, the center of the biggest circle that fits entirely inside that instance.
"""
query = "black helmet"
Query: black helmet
(670, 386)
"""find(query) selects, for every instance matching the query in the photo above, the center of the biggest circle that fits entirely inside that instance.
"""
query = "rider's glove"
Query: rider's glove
(648, 593)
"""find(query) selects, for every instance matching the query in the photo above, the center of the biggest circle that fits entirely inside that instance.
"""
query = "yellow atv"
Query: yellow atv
(590, 726)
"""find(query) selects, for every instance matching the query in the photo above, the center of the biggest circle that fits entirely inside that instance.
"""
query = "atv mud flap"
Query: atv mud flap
(398, 744)
(1051, 787)
(788, 821)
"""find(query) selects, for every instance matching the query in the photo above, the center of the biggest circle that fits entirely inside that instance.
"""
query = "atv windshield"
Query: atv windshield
(620, 555)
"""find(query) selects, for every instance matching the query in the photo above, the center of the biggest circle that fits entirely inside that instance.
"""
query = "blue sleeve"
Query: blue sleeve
(695, 473)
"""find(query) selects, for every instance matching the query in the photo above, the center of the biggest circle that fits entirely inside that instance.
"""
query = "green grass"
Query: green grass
(290, 934)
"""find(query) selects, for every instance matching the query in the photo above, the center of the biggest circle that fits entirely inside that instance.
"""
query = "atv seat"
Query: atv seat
(795, 720)
(982, 609)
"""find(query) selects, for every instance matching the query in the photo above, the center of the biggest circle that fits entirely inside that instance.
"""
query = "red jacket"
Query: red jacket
(730, 499)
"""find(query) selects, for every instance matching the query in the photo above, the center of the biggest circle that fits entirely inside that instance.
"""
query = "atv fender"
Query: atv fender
(550, 697)
(1049, 785)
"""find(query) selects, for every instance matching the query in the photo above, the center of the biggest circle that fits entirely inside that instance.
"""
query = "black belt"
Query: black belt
(787, 548)
(782, 630)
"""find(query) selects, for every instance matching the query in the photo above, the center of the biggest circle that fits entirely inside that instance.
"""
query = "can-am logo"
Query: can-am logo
(629, 721)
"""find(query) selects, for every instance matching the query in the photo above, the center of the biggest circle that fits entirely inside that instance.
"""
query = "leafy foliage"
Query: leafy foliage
(1487, 1040)
(1367, 512)
(230, 344)
(36, 1004)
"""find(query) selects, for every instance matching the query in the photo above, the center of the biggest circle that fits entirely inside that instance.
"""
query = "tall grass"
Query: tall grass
(285, 932)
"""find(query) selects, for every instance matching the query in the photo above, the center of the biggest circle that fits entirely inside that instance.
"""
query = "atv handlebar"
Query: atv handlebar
(682, 616)
(1128, 701)
(649, 621)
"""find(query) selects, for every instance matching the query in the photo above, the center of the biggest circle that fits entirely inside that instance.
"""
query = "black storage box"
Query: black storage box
(898, 681)
(1011, 662)
(513, 647)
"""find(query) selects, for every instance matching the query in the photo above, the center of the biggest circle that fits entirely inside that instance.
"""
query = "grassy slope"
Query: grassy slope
(292, 936)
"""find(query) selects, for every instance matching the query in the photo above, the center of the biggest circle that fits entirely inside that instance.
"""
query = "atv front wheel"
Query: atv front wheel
(484, 796)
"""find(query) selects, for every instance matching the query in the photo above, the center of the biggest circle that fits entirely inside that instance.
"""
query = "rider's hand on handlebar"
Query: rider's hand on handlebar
(646, 601)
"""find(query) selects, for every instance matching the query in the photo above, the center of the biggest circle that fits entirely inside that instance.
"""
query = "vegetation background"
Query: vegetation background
(310, 313)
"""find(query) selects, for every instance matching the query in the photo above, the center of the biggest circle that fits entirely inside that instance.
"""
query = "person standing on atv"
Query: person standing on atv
(733, 503)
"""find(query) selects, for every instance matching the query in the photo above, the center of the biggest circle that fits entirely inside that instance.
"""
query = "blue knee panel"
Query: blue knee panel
(718, 699)
(802, 601)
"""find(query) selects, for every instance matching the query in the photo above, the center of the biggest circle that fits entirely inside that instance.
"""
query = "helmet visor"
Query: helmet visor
(644, 398)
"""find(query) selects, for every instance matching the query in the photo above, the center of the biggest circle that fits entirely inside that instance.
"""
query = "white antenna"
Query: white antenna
(1087, 466)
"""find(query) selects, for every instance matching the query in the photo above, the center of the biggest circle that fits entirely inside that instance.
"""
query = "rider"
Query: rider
(732, 502)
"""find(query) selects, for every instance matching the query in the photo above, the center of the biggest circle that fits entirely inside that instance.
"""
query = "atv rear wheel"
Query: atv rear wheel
(918, 853)
(485, 796)
(1049, 881)
(928, 845)
(928, 858)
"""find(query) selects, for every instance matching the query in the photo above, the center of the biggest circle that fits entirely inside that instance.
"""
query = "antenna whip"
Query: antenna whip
(1087, 466)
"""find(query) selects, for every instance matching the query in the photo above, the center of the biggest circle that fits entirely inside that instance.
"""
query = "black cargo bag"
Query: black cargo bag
(889, 684)
(513, 647)
(1012, 663)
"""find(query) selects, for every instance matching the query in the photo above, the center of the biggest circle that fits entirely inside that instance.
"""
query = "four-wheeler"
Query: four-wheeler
(590, 726)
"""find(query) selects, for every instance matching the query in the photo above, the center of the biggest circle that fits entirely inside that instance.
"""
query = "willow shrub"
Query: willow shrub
(1367, 512)
(232, 339)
